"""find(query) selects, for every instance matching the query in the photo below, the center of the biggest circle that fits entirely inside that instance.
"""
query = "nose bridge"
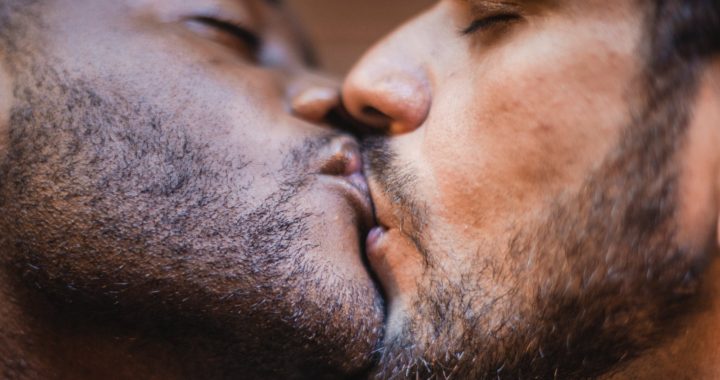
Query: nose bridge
(391, 86)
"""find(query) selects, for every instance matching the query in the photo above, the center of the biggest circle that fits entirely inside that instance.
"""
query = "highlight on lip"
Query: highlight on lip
(346, 159)
(343, 171)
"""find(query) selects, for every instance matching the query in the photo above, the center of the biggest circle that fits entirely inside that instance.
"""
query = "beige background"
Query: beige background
(343, 29)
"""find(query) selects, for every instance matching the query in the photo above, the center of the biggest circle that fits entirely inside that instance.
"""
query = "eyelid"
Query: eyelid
(490, 13)
(250, 38)
(490, 21)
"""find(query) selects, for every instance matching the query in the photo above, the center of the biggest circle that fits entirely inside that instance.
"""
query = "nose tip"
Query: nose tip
(382, 97)
(313, 97)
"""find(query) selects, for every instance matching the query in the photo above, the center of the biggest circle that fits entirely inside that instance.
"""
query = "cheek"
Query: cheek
(699, 182)
(534, 124)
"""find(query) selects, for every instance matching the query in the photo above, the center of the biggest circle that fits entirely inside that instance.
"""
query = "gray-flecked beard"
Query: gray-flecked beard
(608, 278)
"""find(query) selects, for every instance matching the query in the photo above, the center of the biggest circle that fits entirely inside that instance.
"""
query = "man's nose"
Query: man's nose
(384, 91)
(312, 97)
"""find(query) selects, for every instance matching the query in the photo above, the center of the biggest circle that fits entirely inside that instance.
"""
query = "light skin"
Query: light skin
(692, 350)
(170, 200)
(543, 211)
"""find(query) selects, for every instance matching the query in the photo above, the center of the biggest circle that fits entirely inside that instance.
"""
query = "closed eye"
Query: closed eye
(252, 41)
(486, 23)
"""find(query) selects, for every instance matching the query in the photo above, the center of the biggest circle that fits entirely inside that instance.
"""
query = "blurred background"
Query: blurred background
(343, 29)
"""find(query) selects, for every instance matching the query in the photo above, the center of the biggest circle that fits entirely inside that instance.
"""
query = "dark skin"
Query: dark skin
(171, 205)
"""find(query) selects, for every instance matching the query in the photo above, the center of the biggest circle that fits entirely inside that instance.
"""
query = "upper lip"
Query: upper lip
(345, 168)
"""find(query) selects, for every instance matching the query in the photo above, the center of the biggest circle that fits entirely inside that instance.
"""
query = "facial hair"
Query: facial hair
(608, 277)
(113, 210)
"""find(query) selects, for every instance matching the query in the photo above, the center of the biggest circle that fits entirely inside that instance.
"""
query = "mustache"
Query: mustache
(397, 181)
(305, 156)
(384, 167)
(379, 156)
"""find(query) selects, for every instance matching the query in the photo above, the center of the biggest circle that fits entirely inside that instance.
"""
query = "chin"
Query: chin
(346, 295)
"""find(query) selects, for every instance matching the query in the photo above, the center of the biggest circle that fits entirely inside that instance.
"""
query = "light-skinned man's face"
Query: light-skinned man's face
(158, 169)
(533, 193)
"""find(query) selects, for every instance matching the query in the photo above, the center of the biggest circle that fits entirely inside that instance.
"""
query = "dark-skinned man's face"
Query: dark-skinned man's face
(153, 171)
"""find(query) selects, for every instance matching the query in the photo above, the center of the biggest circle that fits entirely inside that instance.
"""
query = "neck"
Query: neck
(692, 351)
(38, 342)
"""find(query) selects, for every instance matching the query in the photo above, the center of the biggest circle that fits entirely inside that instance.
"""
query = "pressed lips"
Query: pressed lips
(374, 248)
(391, 252)
(344, 168)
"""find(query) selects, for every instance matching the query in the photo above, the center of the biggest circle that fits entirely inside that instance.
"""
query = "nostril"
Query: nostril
(373, 112)
(375, 117)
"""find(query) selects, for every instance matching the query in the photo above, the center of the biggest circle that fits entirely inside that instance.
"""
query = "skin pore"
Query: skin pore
(167, 205)
(547, 193)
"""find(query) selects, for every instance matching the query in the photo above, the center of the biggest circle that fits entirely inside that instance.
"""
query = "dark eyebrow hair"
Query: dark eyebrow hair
(493, 4)
(503, 2)
(490, 5)
(275, 3)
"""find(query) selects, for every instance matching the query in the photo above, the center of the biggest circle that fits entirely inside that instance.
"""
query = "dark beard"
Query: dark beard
(608, 278)
(123, 218)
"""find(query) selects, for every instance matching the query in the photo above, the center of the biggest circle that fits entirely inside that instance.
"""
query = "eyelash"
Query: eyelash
(253, 41)
(489, 22)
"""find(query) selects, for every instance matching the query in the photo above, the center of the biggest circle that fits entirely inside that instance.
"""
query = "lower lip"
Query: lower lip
(374, 236)
(372, 242)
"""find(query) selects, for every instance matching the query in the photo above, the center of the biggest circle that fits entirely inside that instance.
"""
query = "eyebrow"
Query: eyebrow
(491, 2)
(489, 5)
(501, 3)
(275, 3)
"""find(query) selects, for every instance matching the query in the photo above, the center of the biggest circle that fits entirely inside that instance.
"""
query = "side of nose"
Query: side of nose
(388, 90)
